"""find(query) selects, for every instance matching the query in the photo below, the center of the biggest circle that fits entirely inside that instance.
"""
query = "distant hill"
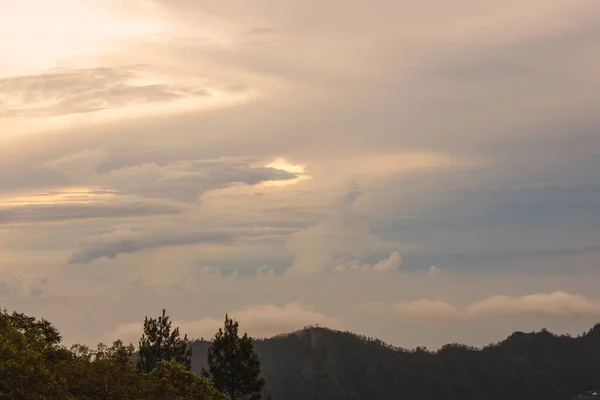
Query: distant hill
(318, 363)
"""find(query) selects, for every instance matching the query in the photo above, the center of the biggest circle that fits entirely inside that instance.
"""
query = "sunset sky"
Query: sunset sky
(422, 172)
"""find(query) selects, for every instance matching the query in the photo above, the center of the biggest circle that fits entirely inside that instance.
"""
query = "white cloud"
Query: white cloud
(434, 271)
(392, 263)
(556, 304)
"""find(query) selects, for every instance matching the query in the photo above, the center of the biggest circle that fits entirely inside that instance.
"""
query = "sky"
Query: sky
(421, 172)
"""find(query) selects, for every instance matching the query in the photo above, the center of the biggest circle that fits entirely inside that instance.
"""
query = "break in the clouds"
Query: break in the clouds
(397, 169)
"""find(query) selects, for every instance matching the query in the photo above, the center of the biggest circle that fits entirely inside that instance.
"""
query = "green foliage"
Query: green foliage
(103, 373)
(28, 353)
(233, 365)
(35, 366)
(162, 343)
(171, 381)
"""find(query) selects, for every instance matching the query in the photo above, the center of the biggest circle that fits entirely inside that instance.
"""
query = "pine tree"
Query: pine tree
(160, 343)
(233, 365)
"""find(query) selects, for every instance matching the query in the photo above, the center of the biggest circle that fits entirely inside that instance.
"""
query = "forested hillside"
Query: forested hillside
(318, 363)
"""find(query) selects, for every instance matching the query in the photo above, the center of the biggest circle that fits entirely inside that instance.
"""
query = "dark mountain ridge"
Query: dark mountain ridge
(320, 363)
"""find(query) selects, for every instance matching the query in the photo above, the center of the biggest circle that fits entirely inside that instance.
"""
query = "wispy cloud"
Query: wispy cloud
(53, 211)
(73, 91)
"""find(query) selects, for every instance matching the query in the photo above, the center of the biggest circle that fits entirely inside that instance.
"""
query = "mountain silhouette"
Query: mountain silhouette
(320, 363)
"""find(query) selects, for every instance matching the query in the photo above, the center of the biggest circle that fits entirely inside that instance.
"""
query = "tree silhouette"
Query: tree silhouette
(160, 343)
(233, 365)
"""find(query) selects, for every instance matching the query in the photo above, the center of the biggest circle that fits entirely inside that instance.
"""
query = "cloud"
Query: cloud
(258, 321)
(64, 91)
(428, 309)
(557, 304)
(56, 212)
(182, 181)
(126, 240)
(339, 242)
(436, 130)
(554, 305)
(434, 271)
(22, 285)
(264, 271)
(392, 263)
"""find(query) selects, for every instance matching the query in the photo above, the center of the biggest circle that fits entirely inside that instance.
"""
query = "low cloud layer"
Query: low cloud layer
(557, 304)
(553, 305)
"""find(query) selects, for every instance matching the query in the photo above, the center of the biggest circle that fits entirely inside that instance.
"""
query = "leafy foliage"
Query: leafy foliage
(35, 366)
(162, 343)
(28, 354)
(233, 365)
(171, 381)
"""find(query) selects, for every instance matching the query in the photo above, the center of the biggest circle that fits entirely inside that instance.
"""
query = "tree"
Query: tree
(160, 343)
(28, 354)
(35, 366)
(233, 365)
(103, 373)
(171, 381)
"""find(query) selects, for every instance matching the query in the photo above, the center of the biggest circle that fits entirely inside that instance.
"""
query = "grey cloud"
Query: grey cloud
(69, 91)
(125, 240)
(180, 180)
(31, 213)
